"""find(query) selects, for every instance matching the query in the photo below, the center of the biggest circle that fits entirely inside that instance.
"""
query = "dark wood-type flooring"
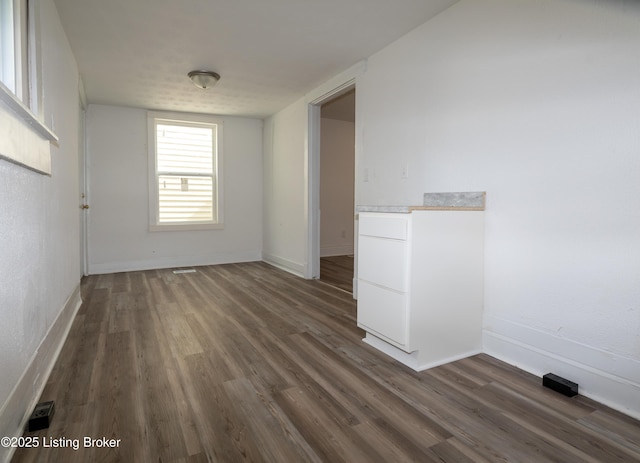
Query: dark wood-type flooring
(337, 271)
(246, 363)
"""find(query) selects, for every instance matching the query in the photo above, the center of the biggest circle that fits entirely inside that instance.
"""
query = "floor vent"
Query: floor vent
(41, 416)
(559, 384)
(184, 270)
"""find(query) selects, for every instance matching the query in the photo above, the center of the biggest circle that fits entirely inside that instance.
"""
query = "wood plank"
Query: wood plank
(337, 271)
(256, 411)
(244, 362)
(329, 439)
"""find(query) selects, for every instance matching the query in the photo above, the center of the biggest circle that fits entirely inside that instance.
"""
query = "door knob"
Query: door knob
(84, 206)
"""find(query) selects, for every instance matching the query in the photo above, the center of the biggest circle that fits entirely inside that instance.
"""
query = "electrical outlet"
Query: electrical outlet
(405, 170)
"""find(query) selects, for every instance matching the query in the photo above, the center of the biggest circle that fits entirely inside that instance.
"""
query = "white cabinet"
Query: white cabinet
(420, 284)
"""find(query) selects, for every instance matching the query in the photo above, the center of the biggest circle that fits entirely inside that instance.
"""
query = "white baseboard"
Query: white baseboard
(605, 377)
(413, 359)
(183, 261)
(284, 264)
(343, 250)
(24, 396)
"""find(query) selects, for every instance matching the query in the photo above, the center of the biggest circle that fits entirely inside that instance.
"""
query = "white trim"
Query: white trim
(412, 360)
(24, 108)
(185, 227)
(185, 119)
(335, 87)
(21, 144)
(171, 262)
(287, 265)
(312, 174)
(35, 60)
(84, 188)
(83, 94)
(606, 377)
(312, 192)
(340, 250)
(24, 138)
(18, 407)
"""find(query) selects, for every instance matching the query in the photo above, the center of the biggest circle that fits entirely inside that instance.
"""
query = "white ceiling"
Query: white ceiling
(268, 52)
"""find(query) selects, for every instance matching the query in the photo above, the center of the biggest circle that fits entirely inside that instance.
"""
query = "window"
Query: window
(19, 50)
(7, 45)
(21, 88)
(185, 163)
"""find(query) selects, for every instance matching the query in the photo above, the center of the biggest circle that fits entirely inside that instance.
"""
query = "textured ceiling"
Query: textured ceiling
(268, 52)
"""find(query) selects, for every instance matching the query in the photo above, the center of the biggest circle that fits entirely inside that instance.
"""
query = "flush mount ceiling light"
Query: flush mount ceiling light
(204, 79)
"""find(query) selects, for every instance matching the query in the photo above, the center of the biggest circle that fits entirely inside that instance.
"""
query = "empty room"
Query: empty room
(288, 231)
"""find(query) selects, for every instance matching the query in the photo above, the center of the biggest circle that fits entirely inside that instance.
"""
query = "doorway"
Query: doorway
(336, 200)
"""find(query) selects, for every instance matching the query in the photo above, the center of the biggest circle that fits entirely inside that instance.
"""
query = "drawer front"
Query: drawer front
(383, 262)
(392, 226)
(382, 312)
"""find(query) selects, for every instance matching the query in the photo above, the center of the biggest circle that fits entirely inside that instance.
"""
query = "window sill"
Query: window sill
(187, 227)
(24, 138)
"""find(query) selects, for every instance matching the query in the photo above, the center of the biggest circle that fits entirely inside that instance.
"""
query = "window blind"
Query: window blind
(185, 166)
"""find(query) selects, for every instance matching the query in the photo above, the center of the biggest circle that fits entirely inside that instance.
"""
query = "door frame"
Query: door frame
(313, 176)
(83, 185)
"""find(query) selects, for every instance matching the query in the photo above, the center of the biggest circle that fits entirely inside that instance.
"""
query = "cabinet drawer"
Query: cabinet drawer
(382, 312)
(383, 262)
(392, 226)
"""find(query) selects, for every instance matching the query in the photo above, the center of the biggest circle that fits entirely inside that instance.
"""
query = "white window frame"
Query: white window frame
(24, 137)
(153, 118)
(8, 49)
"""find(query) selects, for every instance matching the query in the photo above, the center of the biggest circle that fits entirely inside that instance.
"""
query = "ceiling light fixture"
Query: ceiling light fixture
(204, 79)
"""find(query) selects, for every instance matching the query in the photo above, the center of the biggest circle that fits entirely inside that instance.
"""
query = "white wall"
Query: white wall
(289, 196)
(39, 251)
(337, 151)
(285, 227)
(536, 103)
(119, 236)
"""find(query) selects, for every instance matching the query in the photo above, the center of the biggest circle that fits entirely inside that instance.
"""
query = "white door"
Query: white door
(82, 191)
